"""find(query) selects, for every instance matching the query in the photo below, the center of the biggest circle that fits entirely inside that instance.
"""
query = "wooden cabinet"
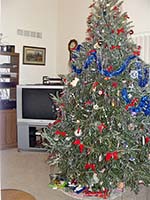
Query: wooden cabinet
(8, 130)
(9, 78)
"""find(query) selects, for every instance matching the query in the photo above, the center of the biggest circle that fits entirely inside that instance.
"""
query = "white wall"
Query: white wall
(33, 15)
(139, 13)
(0, 16)
(71, 25)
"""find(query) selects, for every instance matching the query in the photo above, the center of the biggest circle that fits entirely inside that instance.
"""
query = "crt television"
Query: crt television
(35, 104)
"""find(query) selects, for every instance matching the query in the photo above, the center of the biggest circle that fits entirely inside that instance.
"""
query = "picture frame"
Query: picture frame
(34, 55)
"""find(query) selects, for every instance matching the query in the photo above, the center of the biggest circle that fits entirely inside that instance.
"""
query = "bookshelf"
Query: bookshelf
(9, 79)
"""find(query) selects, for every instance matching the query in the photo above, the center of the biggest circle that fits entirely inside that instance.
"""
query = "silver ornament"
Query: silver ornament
(131, 127)
(100, 158)
(134, 74)
(95, 178)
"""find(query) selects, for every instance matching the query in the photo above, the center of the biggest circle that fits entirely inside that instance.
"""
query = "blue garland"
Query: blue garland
(118, 71)
(93, 57)
(144, 104)
(142, 81)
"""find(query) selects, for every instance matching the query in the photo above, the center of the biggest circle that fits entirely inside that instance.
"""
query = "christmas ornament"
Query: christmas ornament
(114, 84)
(119, 125)
(125, 144)
(58, 132)
(56, 138)
(131, 127)
(92, 5)
(113, 103)
(136, 53)
(97, 46)
(113, 155)
(88, 103)
(118, 93)
(101, 92)
(68, 139)
(121, 185)
(95, 178)
(110, 68)
(78, 132)
(134, 74)
(130, 95)
(132, 159)
(147, 140)
(100, 158)
(74, 82)
(103, 170)
(96, 107)
(101, 127)
(94, 86)
(90, 166)
(79, 189)
(100, 194)
(54, 123)
(119, 31)
(131, 32)
(78, 143)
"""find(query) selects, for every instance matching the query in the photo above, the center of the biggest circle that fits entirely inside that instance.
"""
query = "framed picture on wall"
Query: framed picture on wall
(34, 55)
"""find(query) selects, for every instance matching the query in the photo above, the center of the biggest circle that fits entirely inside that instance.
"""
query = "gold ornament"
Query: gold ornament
(113, 103)
(121, 185)
(107, 78)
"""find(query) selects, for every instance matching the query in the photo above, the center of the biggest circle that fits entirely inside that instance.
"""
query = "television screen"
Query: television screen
(38, 104)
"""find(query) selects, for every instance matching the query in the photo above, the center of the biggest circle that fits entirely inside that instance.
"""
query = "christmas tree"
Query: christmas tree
(102, 133)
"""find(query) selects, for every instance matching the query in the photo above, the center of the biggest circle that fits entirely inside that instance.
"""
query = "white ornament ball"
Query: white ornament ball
(78, 132)
(96, 107)
(100, 92)
(68, 138)
(130, 96)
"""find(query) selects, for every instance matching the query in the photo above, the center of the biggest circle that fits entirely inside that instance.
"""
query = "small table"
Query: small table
(12, 194)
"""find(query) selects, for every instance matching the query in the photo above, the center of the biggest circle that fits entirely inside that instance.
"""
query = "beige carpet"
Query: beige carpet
(11, 194)
(29, 172)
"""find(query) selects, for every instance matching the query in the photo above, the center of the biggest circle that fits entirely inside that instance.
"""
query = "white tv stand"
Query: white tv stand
(29, 134)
